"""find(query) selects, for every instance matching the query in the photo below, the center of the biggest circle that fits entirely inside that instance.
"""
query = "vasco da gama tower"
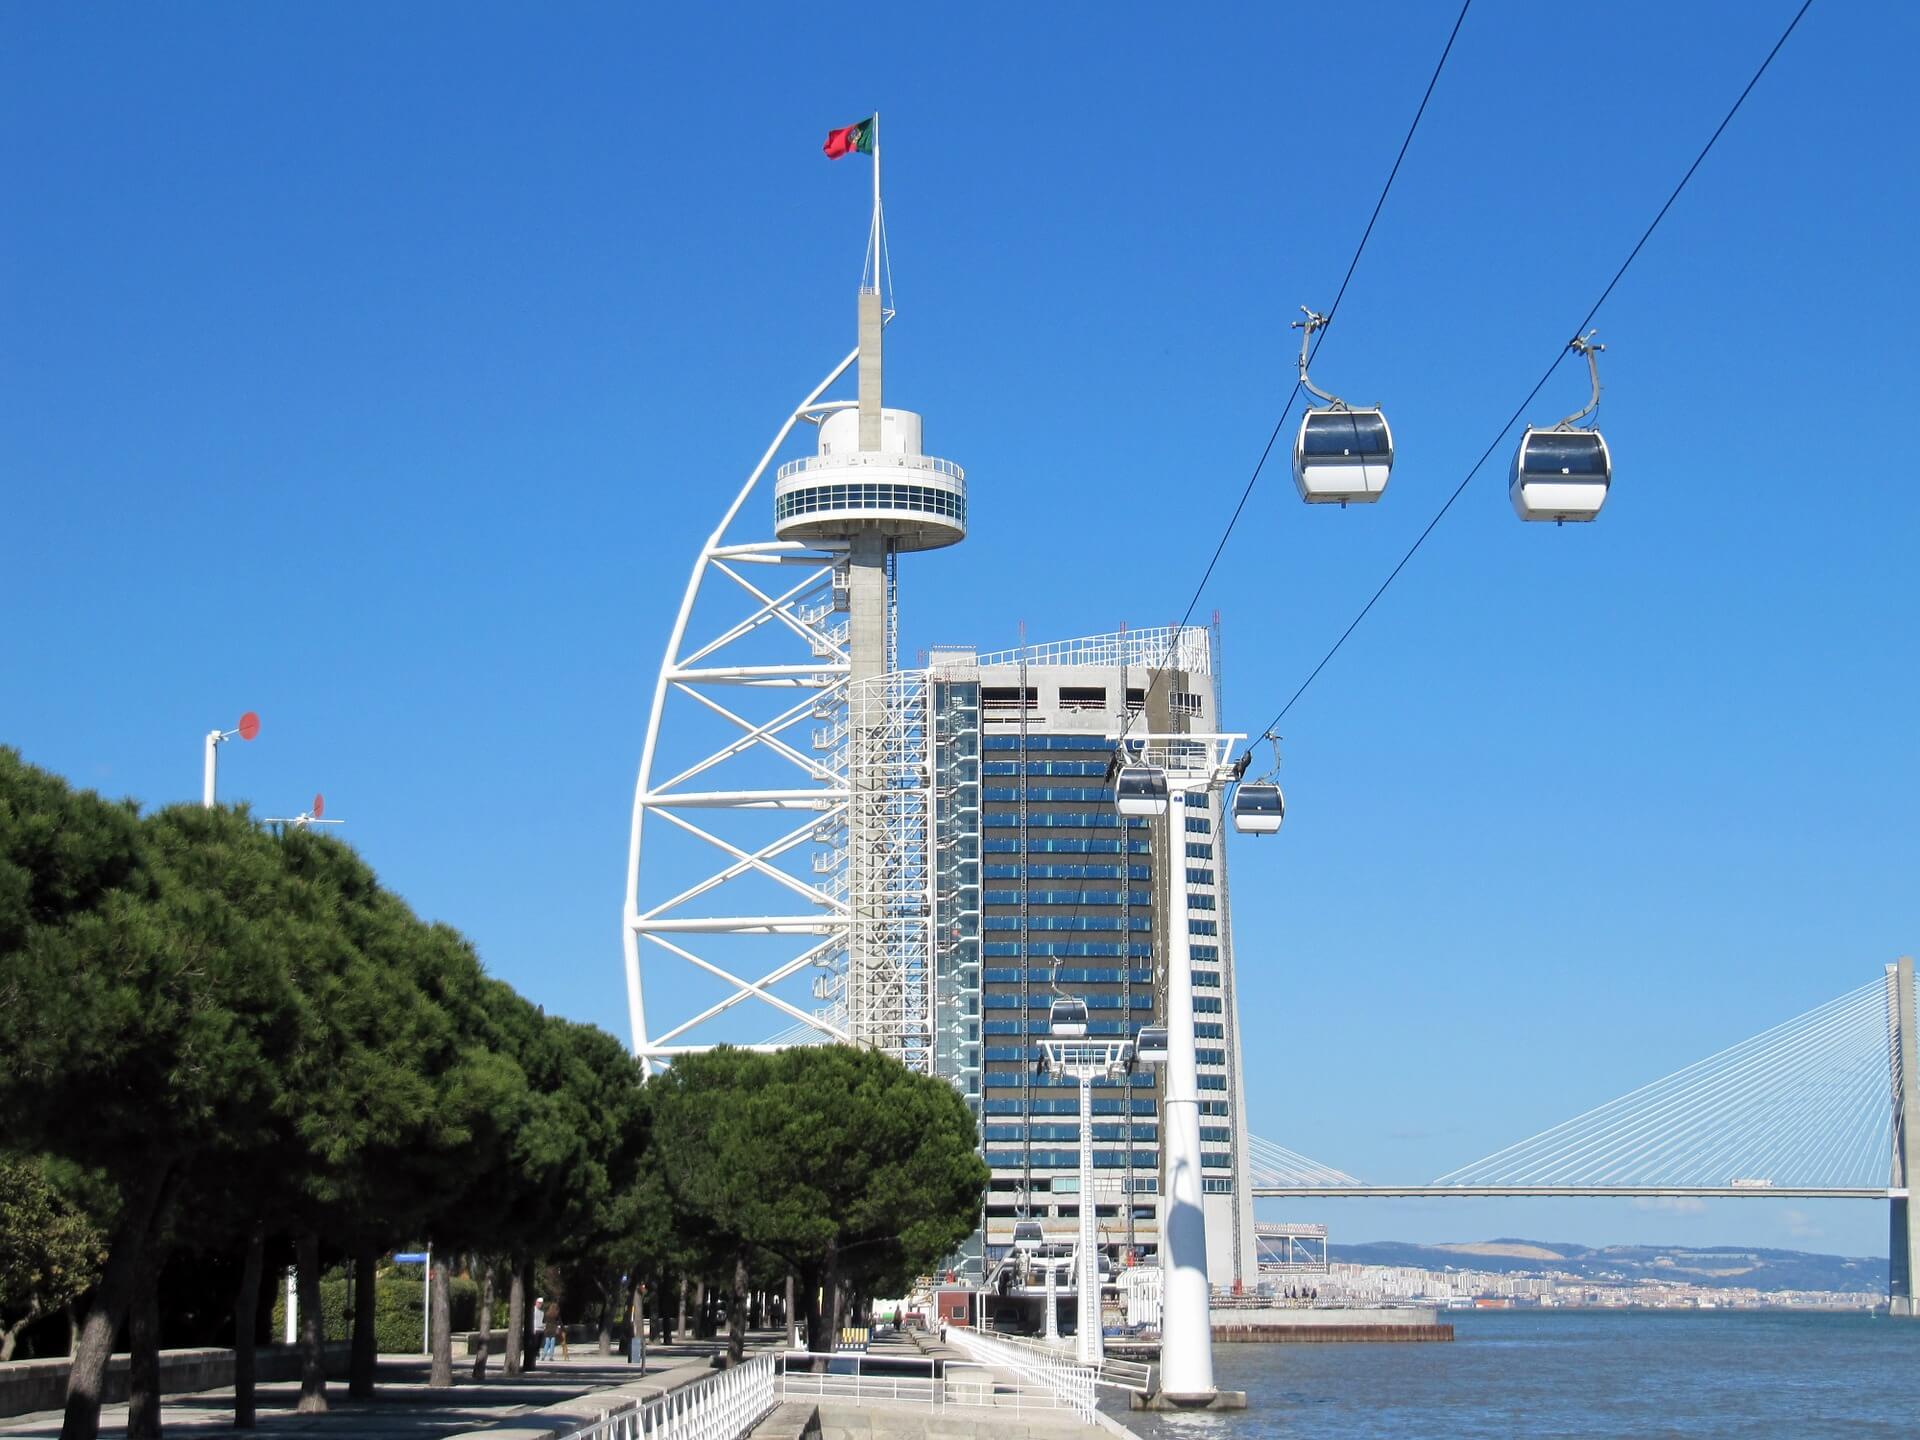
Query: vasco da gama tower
(826, 847)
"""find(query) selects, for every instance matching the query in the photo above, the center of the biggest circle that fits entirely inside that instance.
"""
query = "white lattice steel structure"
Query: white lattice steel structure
(776, 635)
(845, 762)
(890, 993)
(811, 857)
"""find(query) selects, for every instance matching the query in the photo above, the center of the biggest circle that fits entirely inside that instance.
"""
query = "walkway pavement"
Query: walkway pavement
(404, 1408)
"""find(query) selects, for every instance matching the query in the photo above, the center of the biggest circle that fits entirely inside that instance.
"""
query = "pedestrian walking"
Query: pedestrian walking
(553, 1327)
(539, 1322)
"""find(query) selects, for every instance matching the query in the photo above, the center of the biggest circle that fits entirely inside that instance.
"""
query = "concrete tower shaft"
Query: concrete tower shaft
(869, 493)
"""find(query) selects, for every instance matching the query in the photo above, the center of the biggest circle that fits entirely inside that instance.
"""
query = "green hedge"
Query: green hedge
(397, 1316)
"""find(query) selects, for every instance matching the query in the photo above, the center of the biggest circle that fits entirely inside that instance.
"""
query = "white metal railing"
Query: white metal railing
(1116, 1374)
(936, 1384)
(882, 457)
(724, 1407)
(1070, 1383)
(1150, 649)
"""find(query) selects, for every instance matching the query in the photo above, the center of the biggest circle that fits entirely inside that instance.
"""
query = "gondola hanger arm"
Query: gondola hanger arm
(1584, 345)
(1313, 322)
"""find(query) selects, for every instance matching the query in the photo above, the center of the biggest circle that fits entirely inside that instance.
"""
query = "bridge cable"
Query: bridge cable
(1560, 354)
(1806, 1103)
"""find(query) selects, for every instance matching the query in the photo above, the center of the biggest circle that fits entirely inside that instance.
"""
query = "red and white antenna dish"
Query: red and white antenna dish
(249, 725)
(319, 806)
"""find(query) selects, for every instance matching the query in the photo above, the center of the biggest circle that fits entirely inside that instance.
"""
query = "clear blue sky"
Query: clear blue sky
(380, 368)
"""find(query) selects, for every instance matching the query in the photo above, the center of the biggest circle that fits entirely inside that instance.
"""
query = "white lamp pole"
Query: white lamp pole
(1087, 1262)
(248, 727)
(1084, 1061)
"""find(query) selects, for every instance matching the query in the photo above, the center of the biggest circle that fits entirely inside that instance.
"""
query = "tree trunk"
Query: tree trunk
(313, 1361)
(513, 1361)
(811, 1294)
(529, 1342)
(486, 1321)
(126, 1253)
(246, 1321)
(609, 1296)
(841, 1311)
(11, 1335)
(143, 1362)
(737, 1311)
(439, 1287)
(366, 1339)
(793, 1339)
(829, 1325)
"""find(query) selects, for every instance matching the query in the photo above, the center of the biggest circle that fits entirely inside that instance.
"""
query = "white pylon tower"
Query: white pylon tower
(808, 861)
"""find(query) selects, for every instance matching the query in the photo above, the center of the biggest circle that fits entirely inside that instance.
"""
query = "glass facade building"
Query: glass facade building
(1044, 891)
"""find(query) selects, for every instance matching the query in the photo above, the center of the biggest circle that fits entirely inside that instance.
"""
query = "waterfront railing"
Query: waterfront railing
(936, 1384)
(1114, 1373)
(1070, 1383)
(724, 1407)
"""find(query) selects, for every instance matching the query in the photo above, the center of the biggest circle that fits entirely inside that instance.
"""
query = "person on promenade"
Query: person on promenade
(553, 1332)
(539, 1320)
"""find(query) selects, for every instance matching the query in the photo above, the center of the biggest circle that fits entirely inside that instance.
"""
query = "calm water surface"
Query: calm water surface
(1579, 1373)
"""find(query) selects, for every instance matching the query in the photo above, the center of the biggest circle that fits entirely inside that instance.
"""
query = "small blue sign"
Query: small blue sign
(411, 1258)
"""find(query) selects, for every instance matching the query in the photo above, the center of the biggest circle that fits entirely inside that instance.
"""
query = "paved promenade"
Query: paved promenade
(405, 1409)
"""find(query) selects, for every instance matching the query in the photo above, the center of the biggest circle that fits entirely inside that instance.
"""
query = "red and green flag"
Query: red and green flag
(848, 139)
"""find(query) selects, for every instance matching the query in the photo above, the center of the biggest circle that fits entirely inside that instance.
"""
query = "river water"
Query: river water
(1578, 1373)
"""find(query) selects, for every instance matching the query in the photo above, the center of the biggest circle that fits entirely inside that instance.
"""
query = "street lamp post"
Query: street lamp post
(1192, 764)
(1085, 1060)
(248, 727)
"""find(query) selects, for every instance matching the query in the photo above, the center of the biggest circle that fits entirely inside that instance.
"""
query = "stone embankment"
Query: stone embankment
(1328, 1326)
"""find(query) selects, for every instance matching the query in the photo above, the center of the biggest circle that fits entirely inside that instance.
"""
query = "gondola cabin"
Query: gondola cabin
(1150, 1045)
(1140, 790)
(1560, 475)
(1258, 809)
(1067, 1019)
(1342, 456)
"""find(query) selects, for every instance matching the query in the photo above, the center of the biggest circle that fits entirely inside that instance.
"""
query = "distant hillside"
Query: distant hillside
(1728, 1265)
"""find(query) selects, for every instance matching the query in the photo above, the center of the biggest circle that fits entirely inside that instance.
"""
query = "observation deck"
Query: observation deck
(915, 501)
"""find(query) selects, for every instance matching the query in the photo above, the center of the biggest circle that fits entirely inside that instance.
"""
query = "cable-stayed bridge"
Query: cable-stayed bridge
(1814, 1108)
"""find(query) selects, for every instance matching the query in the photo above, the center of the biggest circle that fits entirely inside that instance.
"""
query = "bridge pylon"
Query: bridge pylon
(1903, 1243)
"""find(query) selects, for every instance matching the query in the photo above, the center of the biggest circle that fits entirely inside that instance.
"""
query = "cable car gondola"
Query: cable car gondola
(1562, 473)
(1342, 454)
(1258, 808)
(1067, 1019)
(1140, 790)
(1150, 1045)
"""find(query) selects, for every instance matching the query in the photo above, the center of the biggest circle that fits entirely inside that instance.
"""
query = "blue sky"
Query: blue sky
(382, 368)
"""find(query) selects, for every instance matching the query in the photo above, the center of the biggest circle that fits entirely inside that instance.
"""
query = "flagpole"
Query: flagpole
(876, 202)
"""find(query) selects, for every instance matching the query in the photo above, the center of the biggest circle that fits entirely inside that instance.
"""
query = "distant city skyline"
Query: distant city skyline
(382, 371)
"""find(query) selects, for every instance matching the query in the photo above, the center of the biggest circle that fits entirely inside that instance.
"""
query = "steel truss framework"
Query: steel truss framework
(1291, 1249)
(890, 977)
(849, 762)
(768, 591)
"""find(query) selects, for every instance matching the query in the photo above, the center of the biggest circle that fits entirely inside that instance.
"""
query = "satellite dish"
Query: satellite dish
(249, 725)
(319, 806)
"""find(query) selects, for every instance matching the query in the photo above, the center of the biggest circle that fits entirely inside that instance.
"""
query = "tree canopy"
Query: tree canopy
(271, 1049)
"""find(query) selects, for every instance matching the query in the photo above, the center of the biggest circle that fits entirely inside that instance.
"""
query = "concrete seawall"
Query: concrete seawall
(30, 1385)
(1328, 1326)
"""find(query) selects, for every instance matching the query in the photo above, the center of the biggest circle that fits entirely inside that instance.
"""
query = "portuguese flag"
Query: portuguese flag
(851, 138)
